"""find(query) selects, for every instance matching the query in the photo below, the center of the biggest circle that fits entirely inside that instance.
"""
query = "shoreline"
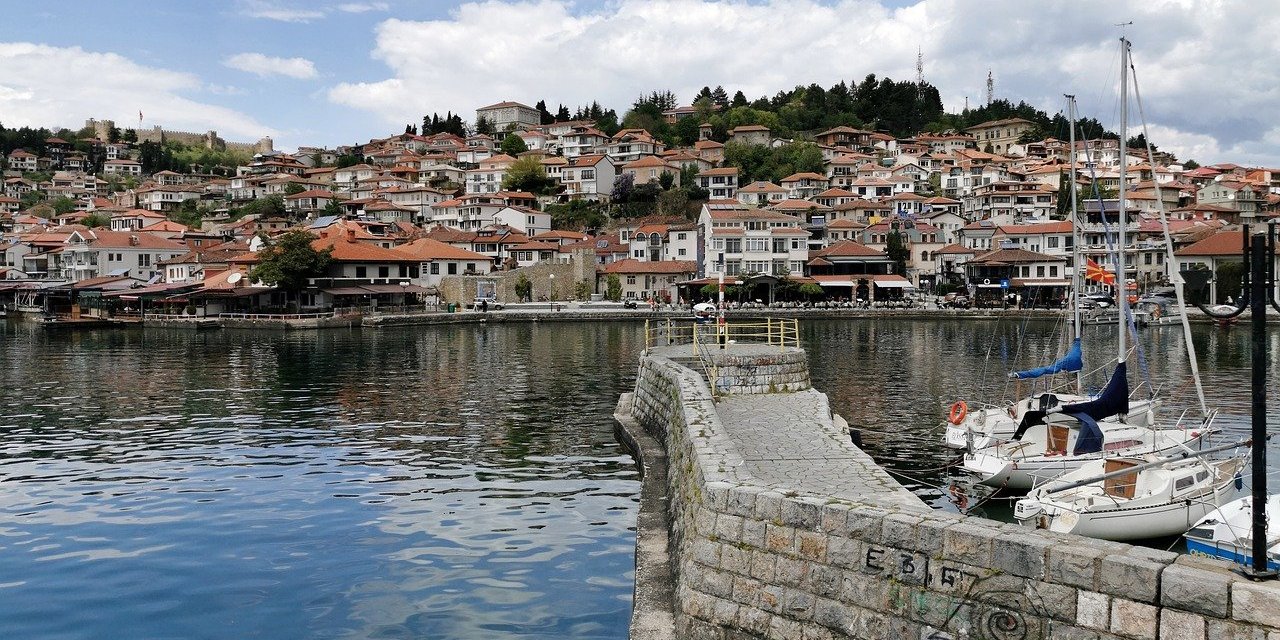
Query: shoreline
(576, 312)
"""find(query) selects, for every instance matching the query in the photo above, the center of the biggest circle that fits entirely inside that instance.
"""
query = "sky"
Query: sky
(332, 72)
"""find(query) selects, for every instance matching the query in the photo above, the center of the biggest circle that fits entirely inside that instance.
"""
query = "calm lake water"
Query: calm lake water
(434, 482)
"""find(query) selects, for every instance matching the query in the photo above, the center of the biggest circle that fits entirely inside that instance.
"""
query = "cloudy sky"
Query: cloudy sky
(316, 72)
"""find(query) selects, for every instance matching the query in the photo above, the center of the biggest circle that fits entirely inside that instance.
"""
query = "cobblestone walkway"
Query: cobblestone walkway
(790, 442)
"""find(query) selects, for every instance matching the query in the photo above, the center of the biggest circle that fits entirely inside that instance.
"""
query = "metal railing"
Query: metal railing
(783, 332)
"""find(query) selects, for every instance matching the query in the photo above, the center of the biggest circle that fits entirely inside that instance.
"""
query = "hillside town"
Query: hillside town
(982, 211)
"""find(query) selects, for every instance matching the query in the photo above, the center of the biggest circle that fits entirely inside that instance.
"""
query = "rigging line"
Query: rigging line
(1174, 276)
(1121, 288)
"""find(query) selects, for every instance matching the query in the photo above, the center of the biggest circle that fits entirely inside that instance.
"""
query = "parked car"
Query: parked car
(956, 301)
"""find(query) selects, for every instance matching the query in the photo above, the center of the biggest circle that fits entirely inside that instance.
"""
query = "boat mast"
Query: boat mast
(1075, 236)
(1122, 299)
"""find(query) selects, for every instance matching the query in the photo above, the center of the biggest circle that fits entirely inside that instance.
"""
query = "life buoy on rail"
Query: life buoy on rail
(986, 281)
(958, 411)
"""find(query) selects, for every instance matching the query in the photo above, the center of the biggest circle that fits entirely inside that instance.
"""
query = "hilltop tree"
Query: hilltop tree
(562, 114)
(289, 261)
(527, 174)
(544, 116)
(513, 145)
(484, 126)
(739, 100)
(720, 97)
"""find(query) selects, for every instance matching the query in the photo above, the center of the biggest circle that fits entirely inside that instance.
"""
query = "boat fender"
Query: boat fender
(958, 411)
(1155, 313)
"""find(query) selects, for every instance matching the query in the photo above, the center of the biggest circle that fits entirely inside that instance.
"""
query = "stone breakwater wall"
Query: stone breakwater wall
(752, 558)
(784, 371)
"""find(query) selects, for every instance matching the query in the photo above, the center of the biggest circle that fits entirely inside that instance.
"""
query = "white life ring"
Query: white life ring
(986, 281)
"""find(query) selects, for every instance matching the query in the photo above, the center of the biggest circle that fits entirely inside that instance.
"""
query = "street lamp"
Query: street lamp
(553, 286)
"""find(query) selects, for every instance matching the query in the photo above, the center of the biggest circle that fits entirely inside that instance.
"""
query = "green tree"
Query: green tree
(30, 199)
(897, 250)
(484, 126)
(293, 188)
(96, 220)
(582, 290)
(666, 180)
(1229, 278)
(1191, 165)
(513, 145)
(271, 206)
(63, 204)
(613, 287)
(523, 288)
(528, 174)
(289, 261)
(810, 291)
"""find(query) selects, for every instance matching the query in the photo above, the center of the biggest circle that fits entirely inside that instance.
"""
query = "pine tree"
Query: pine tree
(720, 97)
(562, 114)
(739, 100)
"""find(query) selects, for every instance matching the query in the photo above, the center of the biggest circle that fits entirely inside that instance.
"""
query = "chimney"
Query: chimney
(351, 234)
(133, 240)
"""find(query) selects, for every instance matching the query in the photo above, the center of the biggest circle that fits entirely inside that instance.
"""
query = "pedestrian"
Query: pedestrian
(484, 306)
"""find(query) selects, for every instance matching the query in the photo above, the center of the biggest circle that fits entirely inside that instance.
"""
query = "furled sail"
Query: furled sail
(1114, 400)
(1073, 361)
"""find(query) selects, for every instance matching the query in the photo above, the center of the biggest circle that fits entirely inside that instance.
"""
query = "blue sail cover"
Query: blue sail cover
(1113, 401)
(1090, 438)
(1073, 361)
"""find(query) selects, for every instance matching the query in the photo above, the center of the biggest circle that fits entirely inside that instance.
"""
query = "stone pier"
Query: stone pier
(760, 519)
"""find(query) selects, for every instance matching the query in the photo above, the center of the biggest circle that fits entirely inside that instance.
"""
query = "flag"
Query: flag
(1095, 272)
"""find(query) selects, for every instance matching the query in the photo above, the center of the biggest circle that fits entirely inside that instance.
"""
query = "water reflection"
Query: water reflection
(443, 482)
(459, 482)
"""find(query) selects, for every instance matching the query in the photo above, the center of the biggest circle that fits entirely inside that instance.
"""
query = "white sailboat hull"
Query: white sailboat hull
(1095, 514)
(1019, 467)
(992, 425)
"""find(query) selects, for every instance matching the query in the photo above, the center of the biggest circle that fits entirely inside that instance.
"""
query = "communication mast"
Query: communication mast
(991, 87)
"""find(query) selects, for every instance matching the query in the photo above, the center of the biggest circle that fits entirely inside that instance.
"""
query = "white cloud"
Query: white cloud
(271, 10)
(224, 90)
(1205, 68)
(362, 7)
(40, 82)
(264, 65)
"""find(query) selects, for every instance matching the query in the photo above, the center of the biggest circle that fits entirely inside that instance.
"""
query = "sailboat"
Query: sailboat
(1072, 435)
(992, 424)
(1133, 498)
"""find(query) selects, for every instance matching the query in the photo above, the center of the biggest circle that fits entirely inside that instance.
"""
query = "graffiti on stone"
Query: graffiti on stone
(992, 606)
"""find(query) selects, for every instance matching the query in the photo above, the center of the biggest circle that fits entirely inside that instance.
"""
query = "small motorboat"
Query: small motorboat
(1227, 533)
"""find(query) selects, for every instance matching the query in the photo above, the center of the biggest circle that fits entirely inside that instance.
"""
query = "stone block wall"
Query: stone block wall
(752, 562)
(784, 371)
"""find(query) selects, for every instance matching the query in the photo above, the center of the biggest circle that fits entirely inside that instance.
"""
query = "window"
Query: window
(1040, 271)
(361, 272)
(680, 236)
(435, 268)
(733, 245)
(1053, 271)
(384, 272)
(452, 268)
(717, 244)
(631, 279)
(144, 259)
(1026, 272)
(680, 252)
(471, 266)
(757, 245)
(779, 245)
(732, 267)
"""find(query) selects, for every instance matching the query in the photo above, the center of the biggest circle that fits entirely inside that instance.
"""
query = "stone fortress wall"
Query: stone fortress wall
(208, 139)
(759, 551)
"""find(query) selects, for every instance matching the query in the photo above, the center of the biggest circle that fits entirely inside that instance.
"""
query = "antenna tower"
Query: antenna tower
(919, 75)
(991, 87)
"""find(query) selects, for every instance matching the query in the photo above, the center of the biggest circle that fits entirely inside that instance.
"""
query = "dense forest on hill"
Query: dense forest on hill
(899, 108)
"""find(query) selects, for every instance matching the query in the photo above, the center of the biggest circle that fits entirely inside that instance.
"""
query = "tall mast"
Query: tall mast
(1122, 299)
(1075, 236)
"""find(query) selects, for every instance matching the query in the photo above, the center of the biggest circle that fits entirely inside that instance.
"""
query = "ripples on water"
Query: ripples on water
(893, 380)
(457, 482)
(443, 482)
